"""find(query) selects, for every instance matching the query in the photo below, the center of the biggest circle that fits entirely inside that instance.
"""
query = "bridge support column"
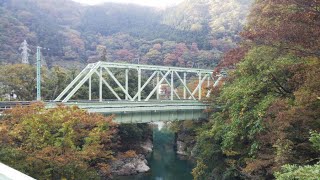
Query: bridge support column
(100, 85)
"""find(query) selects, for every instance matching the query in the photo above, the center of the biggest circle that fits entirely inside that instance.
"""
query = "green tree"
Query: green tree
(153, 57)
(302, 172)
(63, 142)
(55, 81)
(20, 78)
(270, 100)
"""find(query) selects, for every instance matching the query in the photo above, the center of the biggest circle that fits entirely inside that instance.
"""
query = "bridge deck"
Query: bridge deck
(142, 112)
(136, 111)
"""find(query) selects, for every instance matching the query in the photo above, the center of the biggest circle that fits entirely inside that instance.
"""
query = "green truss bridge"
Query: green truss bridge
(159, 93)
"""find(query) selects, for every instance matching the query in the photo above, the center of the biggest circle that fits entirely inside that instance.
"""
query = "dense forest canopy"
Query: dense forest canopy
(269, 121)
(193, 33)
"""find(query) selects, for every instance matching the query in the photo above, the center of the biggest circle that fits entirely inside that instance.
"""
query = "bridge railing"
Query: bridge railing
(4, 105)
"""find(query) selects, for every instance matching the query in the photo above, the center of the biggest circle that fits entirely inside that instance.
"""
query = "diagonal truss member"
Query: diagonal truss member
(162, 74)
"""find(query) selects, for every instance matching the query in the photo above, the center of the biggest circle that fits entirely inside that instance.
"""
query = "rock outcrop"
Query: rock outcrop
(181, 148)
(130, 166)
(147, 146)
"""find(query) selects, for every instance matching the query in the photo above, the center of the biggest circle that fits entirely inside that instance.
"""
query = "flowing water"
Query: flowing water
(164, 163)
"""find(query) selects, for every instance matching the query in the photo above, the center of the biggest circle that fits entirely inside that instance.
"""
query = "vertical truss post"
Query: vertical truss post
(217, 81)
(127, 83)
(184, 88)
(145, 84)
(109, 87)
(169, 83)
(172, 86)
(139, 84)
(100, 85)
(158, 79)
(200, 86)
(90, 88)
(117, 82)
(208, 86)
(157, 87)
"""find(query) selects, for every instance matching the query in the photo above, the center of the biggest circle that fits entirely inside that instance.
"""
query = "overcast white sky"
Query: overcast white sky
(155, 3)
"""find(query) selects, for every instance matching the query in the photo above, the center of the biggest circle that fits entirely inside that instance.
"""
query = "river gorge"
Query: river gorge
(164, 162)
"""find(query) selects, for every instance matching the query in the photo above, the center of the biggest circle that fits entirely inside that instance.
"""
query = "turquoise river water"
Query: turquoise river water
(164, 163)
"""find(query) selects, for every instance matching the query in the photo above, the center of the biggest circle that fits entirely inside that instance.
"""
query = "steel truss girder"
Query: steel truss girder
(163, 71)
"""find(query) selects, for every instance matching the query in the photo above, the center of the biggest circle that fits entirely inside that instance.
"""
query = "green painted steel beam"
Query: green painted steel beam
(142, 111)
(153, 67)
(158, 116)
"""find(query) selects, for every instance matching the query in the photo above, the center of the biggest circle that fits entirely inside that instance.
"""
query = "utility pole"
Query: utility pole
(38, 73)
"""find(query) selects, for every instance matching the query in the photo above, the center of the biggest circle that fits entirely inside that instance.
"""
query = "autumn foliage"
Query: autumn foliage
(269, 115)
(63, 142)
(293, 24)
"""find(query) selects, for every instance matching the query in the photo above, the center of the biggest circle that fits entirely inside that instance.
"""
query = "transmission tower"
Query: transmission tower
(25, 52)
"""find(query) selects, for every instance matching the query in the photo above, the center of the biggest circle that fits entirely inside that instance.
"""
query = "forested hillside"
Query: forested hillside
(194, 33)
(268, 122)
(265, 116)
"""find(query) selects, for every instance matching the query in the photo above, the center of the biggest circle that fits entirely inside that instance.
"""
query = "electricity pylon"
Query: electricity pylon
(25, 52)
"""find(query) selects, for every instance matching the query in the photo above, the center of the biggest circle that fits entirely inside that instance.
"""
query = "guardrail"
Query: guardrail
(4, 105)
